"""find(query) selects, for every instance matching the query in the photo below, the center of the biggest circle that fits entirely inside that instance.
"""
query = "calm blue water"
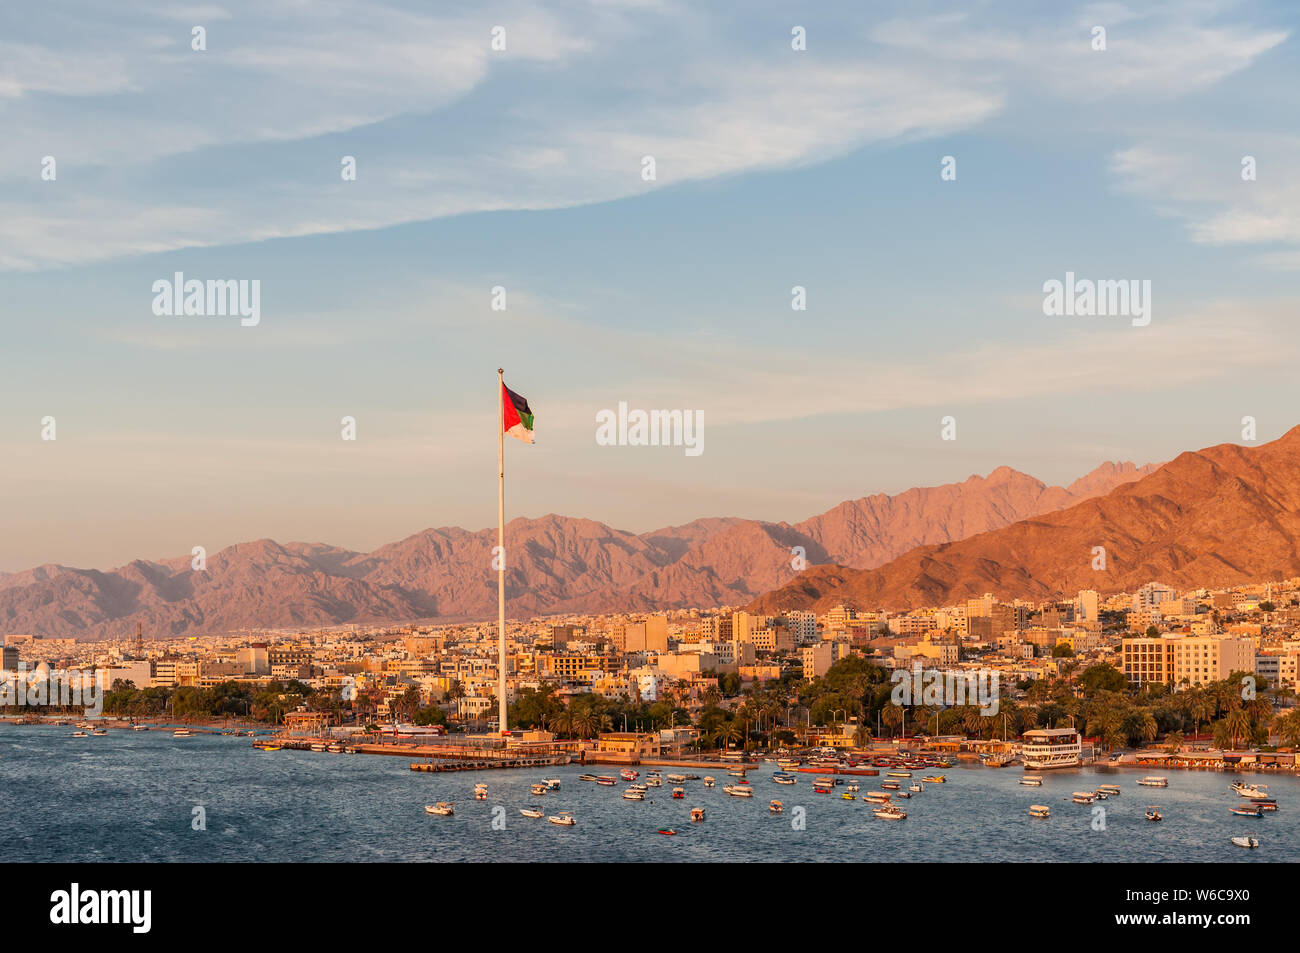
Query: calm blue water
(129, 797)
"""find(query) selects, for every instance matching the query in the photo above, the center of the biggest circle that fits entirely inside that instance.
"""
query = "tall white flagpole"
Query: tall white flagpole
(501, 549)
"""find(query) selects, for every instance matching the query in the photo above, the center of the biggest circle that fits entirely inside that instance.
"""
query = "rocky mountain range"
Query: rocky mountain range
(1221, 516)
(556, 564)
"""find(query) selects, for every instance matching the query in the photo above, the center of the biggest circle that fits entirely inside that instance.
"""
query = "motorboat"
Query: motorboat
(916, 788)
(667, 831)
(1251, 791)
(1039, 810)
(848, 797)
(441, 808)
(1245, 841)
(890, 812)
(898, 774)
(935, 779)
(1032, 780)
(552, 784)
(891, 785)
(537, 790)
(632, 794)
(709, 782)
(1153, 781)
(586, 777)
(605, 781)
(1083, 797)
(697, 815)
(739, 790)
(627, 774)
(679, 793)
(186, 733)
(81, 734)
(1264, 803)
(563, 819)
(1110, 790)
(784, 779)
(676, 778)
(775, 807)
(1154, 815)
(876, 797)
(533, 812)
(1247, 810)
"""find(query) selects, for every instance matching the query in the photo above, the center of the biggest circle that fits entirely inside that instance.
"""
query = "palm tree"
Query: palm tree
(1174, 742)
(1238, 726)
(730, 732)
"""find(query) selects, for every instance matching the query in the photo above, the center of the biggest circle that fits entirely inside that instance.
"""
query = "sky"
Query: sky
(523, 168)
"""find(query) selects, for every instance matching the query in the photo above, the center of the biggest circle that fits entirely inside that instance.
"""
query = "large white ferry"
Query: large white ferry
(1045, 748)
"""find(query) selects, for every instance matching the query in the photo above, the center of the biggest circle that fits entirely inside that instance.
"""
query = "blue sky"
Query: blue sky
(521, 168)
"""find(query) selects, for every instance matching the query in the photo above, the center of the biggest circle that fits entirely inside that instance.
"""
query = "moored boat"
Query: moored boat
(775, 807)
(697, 814)
(1039, 810)
(1153, 814)
(1083, 797)
(531, 811)
(890, 812)
(1245, 841)
(1152, 781)
(563, 819)
(441, 808)
(1247, 810)
(708, 781)
(631, 794)
(1032, 780)
(739, 790)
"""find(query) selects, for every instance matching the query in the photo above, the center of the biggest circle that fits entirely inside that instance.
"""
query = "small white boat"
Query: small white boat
(1245, 841)
(442, 809)
(775, 807)
(1083, 797)
(537, 790)
(708, 781)
(627, 774)
(898, 774)
(531, 811)
(916, 788)
(1110, 790)
(1154, 782)
(739, 790)
(564, 819)
(99, 732)
(81, 734)
(1251, 791)
(1039, 810)
(1032, 780)
(890, 812)
(784, 778)
(631, 794)
(186, 733)
(675, 778)
(876, 797)
(552, 784)
(139, 727)
(1154, 815)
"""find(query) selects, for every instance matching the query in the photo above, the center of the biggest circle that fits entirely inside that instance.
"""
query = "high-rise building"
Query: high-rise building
(1088, 605)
